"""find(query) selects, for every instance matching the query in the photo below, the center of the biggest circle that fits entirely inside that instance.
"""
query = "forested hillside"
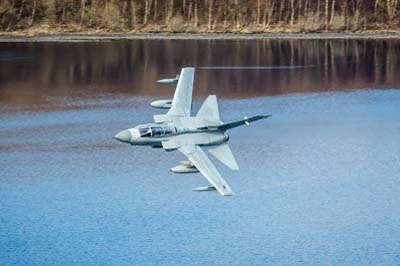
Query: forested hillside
(199, 15)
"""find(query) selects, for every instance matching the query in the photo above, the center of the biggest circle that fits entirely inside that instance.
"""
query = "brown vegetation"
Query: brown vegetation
(199, 15)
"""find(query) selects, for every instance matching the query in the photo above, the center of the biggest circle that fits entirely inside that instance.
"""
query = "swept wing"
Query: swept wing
(197, 156)
(182, 102)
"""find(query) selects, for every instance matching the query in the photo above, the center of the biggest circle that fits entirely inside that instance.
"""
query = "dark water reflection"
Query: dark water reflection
(34, 74)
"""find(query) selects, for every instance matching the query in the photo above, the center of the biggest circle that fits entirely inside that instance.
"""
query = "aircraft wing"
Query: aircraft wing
(182, 102)
(197, 156)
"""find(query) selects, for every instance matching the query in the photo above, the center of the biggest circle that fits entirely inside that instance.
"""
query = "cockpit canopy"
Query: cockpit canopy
(156, 131)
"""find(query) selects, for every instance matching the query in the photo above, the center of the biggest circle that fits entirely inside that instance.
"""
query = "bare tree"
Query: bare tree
(345, 10)
(291, 12)
(326, 15)
(196, 14)
(21, 9)
(155, 10)
(170, 10)
(391, 9)
(208, 14)
(268, 12)
(210, 9)
(318, 13)
(332, 12)
(33, 12)
(83, 6)
(237, 14)
(147, 7)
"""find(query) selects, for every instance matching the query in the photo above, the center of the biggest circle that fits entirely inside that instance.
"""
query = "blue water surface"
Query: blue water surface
(319, 184)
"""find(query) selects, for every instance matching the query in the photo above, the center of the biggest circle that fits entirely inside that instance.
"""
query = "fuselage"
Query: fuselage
(155, 134)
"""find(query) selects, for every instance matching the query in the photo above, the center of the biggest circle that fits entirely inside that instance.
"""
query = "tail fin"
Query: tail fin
(246, 120)
(209, 110)
(224, 154)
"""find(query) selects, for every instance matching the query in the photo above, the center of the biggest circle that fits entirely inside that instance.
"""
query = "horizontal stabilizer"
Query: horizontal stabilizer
(245, 121)
(224, 154)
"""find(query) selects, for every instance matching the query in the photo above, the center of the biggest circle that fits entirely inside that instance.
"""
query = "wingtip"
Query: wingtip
(188, 68)
(266, 116)
(234, 167)
(228, 194)
(227, 191)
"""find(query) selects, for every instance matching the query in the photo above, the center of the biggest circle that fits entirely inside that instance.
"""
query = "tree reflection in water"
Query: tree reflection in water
(33, 72)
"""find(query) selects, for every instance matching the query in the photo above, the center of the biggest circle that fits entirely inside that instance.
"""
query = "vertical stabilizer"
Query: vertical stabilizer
(209, 110)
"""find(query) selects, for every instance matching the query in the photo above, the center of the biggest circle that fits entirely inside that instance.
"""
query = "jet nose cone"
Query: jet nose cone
(124, 136)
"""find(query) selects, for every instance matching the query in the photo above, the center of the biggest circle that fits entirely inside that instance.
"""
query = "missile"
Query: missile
(184, 169)
(169, 81)
(201, 189)
(163, 104)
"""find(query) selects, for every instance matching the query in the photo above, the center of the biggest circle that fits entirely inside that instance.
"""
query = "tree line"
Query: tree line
(201, 15)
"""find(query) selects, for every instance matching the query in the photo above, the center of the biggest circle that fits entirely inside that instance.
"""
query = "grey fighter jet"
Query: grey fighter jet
(191, 135)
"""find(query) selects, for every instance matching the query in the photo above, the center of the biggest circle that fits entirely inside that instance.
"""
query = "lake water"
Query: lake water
(319, 180)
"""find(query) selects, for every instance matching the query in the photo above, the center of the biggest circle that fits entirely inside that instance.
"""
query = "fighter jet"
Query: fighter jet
(191, 135)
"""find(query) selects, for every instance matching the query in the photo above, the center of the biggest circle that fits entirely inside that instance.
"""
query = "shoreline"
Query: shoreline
(89, 36)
